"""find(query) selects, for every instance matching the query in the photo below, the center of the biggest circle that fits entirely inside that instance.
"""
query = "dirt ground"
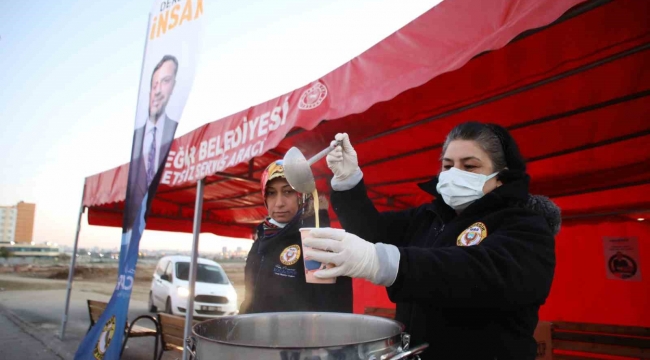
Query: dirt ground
(17, 284)
(97, 278)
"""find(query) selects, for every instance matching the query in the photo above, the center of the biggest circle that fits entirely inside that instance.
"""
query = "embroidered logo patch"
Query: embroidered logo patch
(285, 271)
(290, 255)
(473, 235)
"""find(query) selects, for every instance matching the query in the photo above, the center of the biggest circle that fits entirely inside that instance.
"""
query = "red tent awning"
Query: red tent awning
(573, 93)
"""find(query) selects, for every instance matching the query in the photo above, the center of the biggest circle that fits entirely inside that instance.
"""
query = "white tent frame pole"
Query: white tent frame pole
(73, 261)
(198, 211)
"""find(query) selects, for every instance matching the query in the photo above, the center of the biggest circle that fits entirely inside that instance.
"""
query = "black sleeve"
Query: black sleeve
(512, 266)
(359, 216)
(249, 279)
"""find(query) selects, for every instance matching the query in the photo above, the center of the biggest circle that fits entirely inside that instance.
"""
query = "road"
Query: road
(44, 310)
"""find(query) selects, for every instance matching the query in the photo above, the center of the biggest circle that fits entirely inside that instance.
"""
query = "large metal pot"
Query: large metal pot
(301, 336)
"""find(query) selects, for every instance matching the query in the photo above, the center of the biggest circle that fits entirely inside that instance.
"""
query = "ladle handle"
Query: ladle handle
(322, 154)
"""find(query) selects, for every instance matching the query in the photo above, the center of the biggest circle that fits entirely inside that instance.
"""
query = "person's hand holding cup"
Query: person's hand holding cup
(311, 266)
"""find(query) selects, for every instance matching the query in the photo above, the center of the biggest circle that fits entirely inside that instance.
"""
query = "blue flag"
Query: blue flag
(104, 340)
(169, 64)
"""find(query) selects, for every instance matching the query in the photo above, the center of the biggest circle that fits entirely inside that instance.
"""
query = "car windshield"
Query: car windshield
(207, 273)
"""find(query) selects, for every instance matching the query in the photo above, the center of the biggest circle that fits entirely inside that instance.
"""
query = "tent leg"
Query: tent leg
(64, 320)
(198, 210)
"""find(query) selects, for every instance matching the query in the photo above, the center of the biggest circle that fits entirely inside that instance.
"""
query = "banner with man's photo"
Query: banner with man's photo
(170, 58)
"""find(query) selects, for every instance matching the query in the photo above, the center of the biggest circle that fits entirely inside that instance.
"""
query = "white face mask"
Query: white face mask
(461, 188)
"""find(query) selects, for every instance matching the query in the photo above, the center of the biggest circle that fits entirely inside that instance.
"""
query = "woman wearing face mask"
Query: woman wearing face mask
(274, 275)
(468, 271)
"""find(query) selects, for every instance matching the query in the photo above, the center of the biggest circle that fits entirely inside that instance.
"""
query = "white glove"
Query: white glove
(353, 256)
(344, 164)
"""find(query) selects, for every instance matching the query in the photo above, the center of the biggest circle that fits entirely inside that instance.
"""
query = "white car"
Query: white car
(214, 294)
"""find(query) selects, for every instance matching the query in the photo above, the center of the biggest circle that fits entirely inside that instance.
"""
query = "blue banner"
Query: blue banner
(168, 68)
(104, 340)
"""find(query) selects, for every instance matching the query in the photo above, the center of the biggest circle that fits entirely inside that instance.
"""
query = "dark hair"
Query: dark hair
(495, 140)
(160, 64)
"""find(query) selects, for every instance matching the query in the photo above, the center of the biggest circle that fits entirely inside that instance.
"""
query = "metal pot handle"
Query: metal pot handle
(190, 345)
(404, 352)
(414, 351)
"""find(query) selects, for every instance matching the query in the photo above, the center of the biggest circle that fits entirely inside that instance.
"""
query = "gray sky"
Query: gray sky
(70, 72)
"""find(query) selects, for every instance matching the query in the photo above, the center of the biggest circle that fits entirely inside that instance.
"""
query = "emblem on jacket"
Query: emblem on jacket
(290, 255)
(473, 235)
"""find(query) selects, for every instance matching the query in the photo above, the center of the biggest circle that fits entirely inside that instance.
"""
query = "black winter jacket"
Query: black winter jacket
(467, 302)
(275, 284)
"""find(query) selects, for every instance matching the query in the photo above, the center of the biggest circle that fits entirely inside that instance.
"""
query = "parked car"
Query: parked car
(214, 294)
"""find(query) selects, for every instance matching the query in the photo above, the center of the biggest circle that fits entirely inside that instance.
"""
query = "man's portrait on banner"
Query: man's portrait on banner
(151, 141)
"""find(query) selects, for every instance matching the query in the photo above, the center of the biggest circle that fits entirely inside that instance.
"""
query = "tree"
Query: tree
(5, 253)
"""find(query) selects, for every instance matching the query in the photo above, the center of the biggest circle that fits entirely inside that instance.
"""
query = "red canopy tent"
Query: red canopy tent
(573, 91)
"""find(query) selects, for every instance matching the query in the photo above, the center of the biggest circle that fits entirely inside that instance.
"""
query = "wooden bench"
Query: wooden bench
(579, 341)
(172, 333)
(95, 310)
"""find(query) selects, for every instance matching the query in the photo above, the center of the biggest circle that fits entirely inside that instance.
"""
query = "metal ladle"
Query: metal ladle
(297, 169)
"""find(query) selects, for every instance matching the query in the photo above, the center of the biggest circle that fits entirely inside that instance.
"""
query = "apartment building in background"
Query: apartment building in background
(17, 223)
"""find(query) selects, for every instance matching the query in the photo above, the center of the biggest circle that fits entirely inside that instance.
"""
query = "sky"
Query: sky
(70, 74)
